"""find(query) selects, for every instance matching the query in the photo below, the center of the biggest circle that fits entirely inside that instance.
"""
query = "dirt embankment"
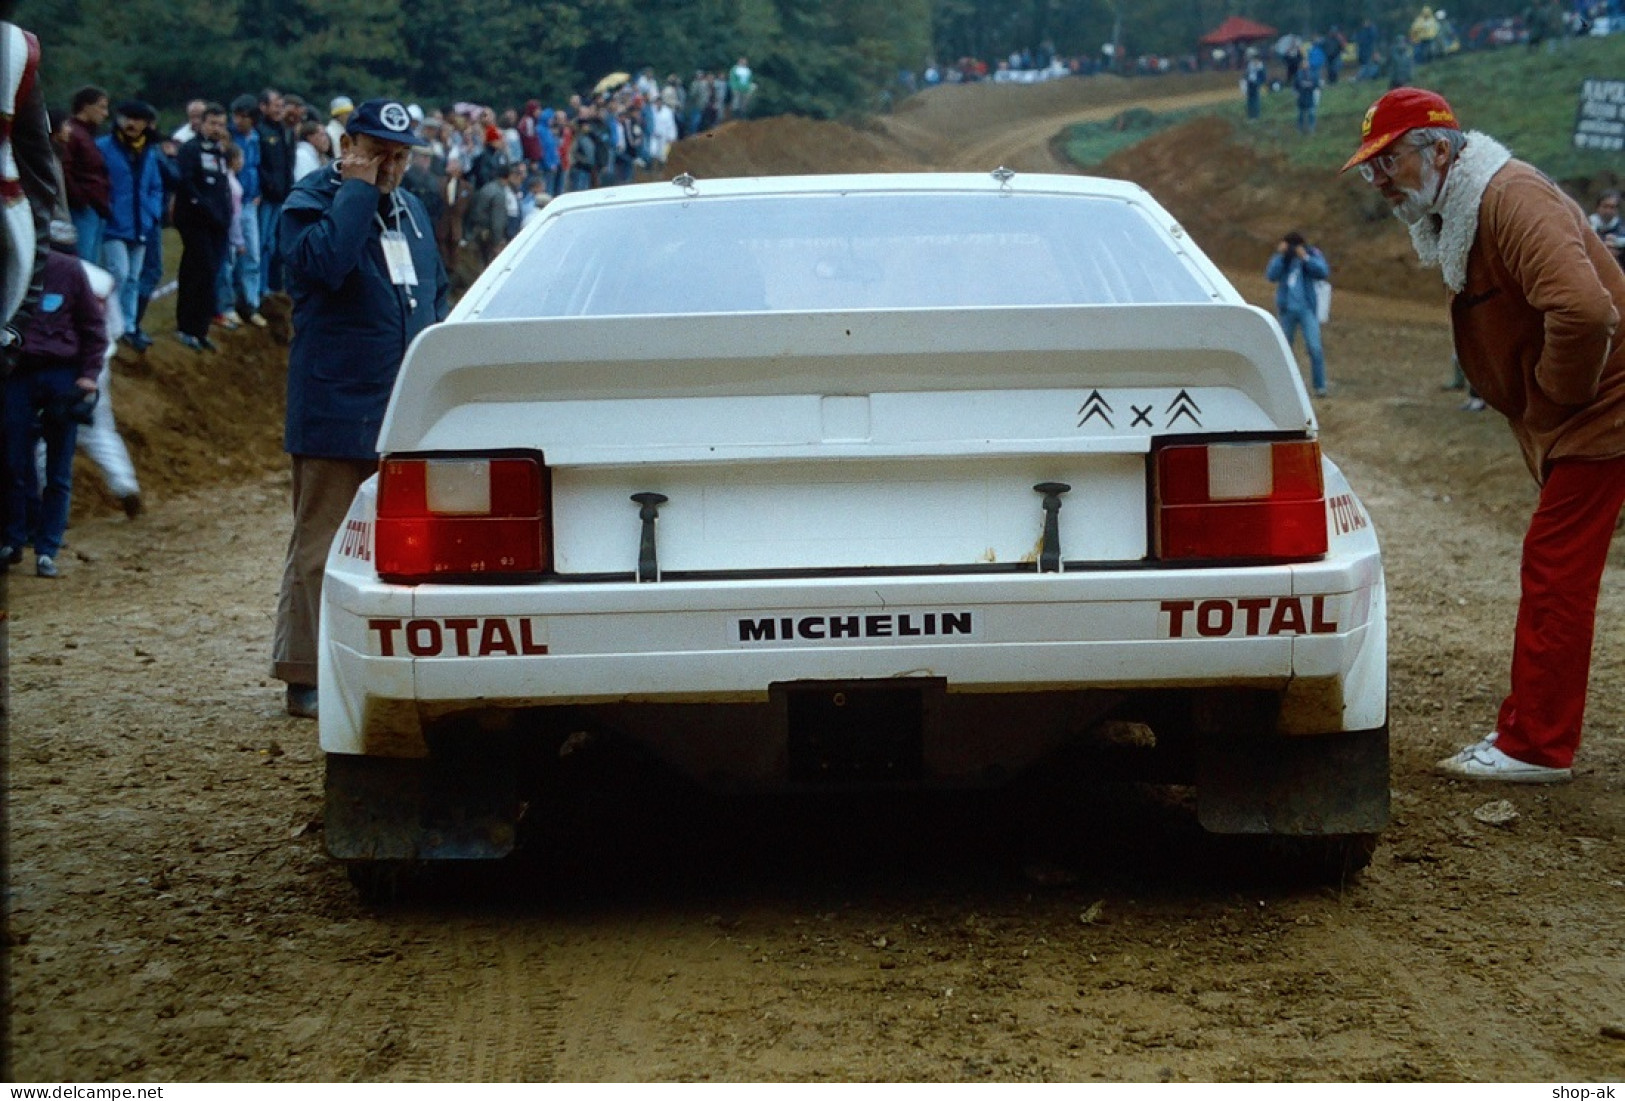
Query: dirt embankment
(193, 420)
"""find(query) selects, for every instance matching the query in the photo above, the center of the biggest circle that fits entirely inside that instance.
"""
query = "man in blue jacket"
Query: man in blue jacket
(163, 152)
(359, 255)
(137, 203)
(276, 141)
(1296, 269)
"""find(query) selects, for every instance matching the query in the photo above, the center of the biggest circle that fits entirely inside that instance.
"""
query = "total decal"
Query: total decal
(356, 541)
(461, 637)
(1347, 516)
(1249, 616)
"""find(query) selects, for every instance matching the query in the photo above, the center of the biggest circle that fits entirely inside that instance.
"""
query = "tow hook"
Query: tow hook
(648, 512)
(1049, 553)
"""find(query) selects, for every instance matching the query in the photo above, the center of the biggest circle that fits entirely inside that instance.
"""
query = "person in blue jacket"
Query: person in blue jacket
(152, 262)
(137, 204)
(549, 137)
(359, 257)
(239, 281)
(1295, 269)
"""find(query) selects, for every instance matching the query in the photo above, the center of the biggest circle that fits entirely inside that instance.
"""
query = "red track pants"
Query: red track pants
(1563, 558)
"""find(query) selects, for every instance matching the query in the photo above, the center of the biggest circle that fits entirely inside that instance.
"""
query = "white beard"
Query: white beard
(1446, 240)
(1419, 201)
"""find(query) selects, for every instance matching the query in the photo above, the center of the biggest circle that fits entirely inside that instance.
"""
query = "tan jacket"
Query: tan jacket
(1537, 322)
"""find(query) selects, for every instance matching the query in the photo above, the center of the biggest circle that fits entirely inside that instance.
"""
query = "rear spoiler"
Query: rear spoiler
(698, 388)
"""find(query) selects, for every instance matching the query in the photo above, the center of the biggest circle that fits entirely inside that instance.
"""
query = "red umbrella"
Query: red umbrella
(1236, 29)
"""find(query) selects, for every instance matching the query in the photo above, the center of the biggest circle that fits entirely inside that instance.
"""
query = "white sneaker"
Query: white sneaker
(1482, 761)
(1467, 751)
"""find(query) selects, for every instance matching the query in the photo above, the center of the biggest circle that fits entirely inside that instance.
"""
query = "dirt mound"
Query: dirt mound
(1237, 203)
(787, 146)
(191, 419)
(955, 109)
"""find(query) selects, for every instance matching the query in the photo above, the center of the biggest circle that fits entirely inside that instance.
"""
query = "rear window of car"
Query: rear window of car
(851, 251)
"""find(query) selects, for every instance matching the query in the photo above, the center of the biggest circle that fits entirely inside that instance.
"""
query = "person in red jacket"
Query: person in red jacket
(84, 171)
(51, 391)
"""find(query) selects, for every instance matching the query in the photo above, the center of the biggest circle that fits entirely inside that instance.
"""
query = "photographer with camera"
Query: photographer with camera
(50, 393)
(1297, 269)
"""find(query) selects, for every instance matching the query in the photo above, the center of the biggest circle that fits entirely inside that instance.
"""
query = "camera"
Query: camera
(78, 407)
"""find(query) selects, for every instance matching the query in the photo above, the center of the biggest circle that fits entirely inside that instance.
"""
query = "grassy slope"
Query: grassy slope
(1524, 99)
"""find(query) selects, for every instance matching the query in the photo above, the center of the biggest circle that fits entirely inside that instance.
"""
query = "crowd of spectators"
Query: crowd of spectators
(1304, 65)
(484, 170)
(220, 178)
(1364, 53)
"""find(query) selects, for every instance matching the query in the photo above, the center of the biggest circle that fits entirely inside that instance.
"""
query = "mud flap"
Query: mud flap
(463, 806)
(1312, 786)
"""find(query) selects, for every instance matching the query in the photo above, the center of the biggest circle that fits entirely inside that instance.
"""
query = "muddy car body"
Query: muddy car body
(853, 482)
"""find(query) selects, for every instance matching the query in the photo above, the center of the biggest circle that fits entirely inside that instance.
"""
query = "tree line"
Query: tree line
(820, 58)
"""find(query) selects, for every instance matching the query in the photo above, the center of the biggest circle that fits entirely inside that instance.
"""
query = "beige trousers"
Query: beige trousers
(322, 492)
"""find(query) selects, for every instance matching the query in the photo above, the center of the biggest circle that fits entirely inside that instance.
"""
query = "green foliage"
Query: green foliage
(1090, 143)
(522, 51)
(345, 45)
(814, 57)
(116, 46)
(885, 38)
(674, 37)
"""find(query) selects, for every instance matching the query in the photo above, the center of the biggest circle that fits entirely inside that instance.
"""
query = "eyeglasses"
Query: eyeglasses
(1385, 163)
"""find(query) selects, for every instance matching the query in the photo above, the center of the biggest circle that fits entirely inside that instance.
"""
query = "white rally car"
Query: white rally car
(852, 481)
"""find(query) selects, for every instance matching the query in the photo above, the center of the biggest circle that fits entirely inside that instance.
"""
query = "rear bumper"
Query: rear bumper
(393, 659)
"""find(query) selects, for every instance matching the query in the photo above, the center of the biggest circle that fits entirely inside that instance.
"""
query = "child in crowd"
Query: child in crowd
(226, 313)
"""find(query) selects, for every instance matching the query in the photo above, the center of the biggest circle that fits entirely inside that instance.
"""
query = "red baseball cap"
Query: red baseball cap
(1397, 113)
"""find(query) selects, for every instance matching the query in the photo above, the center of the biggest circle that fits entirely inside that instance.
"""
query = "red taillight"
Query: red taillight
(443, 519)
(1241, 501)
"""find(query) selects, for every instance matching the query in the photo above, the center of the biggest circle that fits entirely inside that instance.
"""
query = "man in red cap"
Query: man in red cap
(1535, 306)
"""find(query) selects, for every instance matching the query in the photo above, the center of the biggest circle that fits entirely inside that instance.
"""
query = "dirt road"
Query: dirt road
(983, 137)
(172, 916)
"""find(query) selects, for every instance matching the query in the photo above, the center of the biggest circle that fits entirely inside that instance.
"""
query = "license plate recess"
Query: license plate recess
(858, 732)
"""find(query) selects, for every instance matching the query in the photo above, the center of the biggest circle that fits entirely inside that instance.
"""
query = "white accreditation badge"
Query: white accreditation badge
(398, 256)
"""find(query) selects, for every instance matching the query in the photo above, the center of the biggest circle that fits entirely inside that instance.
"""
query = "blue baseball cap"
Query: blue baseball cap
(384, 119)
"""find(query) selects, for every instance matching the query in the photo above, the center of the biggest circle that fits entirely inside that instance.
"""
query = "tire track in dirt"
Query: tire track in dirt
(600, 1040)
(480, 1004)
